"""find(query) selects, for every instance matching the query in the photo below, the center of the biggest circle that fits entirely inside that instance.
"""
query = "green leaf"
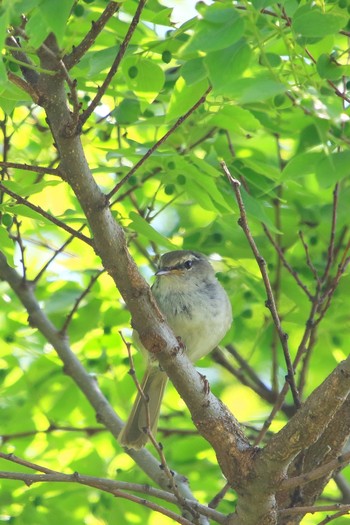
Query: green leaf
(235, 118)
(226, 66)
(56, 16)
(193, 71)
(251, 90)
(141, 226)
(309, 21)
(99, 60)
(6, 245)
(4, 22)
(184, 97)
(256, 208)
(24, 211)
(10, 96)
(200, 195)
(149, 79)
(220, 28)
(270, 59)
(301, 165)
(24, 190)
(328, 68)
(37, 28)
(128, 111)
(333, 168)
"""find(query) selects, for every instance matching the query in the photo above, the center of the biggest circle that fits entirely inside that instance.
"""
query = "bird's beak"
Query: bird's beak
(170, 270)
(164, 271)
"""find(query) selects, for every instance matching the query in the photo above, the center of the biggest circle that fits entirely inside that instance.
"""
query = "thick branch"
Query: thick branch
(307, 425)
(211, 417)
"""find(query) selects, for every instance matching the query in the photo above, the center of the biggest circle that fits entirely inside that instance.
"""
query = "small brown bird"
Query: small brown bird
(198, 311)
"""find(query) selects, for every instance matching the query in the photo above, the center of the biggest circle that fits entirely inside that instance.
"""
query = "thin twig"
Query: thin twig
(24, 463)
(263, 390)
(29, 167)
(21, 248)
(73, 96)
(218, 357)
(114, 68)
(208, 135)
(104, 484)
(89, 431)
(159, 448)
(310, 324)
(335, 516)
(339, 93)
(150, 505)
(317, 473)
(46, 215)
(157, 144)
(23, 85)
(307, 358)
(330, 257)
(308, 258)
(329, 293)
(69, 317)
(270, 303)
(313, 510)
(89, 39)
(213, 503)
(55, 254)
(138, 184)
(286, 264)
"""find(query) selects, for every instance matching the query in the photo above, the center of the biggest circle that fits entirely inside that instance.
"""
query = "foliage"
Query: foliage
(260, 85)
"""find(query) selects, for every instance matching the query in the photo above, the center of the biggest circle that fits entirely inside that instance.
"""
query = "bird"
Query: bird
(198, 310)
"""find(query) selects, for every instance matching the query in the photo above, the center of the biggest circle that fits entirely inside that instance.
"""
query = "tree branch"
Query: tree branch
(308, 424)
(79, 51)
(270, 303)
(211, 417)
(29, 167)
(286, 263)
(317, 473)
(104, 484)
(46, 215)
(55, 254)
(157, 144)
(85, 292)
(114, 68)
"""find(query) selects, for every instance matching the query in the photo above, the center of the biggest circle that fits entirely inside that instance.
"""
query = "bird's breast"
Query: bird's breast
(200, 316)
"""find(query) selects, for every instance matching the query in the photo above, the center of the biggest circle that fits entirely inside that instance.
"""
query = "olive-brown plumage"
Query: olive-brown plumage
(198, 311)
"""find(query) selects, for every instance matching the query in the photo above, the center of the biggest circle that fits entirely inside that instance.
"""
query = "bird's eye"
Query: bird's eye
(188, 265)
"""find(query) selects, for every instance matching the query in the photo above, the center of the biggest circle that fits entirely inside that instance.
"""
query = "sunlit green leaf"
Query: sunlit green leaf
(220, 28)
(148, 79)
(142, 227)
(184, 97)
(227, 65)
(310, 21)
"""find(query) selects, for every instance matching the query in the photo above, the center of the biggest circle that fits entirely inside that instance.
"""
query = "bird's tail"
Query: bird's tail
(144, 414)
